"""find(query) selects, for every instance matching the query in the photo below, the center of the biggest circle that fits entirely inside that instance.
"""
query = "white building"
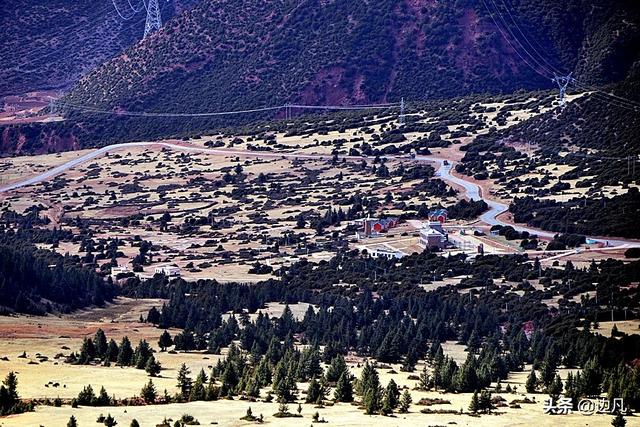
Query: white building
(167, 270)
(385, 253)
(433, 234)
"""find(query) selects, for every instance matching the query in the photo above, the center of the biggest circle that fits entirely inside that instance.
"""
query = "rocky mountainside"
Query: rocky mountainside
(236, 54)
(50, 44)
(241, 53)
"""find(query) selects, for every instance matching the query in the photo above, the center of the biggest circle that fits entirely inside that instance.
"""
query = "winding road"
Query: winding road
(472, 190)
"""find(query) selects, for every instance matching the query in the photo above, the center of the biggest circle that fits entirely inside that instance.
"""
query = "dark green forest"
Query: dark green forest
(39, 281)
(386, 315)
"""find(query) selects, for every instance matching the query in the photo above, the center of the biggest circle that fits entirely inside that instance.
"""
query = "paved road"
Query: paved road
(444, 171)
(490, 217)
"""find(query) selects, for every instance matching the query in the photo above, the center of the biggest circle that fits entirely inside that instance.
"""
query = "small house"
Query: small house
(167, 270)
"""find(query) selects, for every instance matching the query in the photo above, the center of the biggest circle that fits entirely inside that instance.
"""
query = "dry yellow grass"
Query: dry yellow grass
(46, 335)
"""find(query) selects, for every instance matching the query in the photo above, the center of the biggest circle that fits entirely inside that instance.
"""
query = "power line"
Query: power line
(511, 44)
(622, 102)
(554, 69)
(140, 8)
(115, 6)
(287, 107)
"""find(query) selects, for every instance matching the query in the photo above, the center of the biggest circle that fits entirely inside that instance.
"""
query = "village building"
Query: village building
(167, 270)
(386, 253)
(440, 215)
(372, 227)
(433, 234)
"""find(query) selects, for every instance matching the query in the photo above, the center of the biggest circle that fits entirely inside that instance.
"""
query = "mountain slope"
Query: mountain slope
(49, 45)
(234, 53)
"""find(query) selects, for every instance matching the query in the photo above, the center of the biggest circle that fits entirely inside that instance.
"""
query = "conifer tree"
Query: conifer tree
(474, 406)
(532, 382)
(391, 398)
(142, 353)
(109, 421)
(148, 392)
(336, 368)
(112, 351)
(165, 340)
(372, 400)
(425, 380)
(405, 402)
(313, 391)
(153, 367)
(344, 389)
(103, 398)
(72, 422)
(392, 394)
(100, 343)
(555, 389)
(184, 382)
(125, 353)
(618, 421)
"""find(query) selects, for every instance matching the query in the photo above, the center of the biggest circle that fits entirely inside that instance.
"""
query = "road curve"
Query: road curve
(490, 217)
(472, 190)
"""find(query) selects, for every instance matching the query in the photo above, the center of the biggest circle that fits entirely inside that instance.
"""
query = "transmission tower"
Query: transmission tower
(563, 82)
(154, 20)
(401, 118)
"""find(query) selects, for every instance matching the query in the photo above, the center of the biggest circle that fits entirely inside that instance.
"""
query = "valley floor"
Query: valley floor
(50, 336)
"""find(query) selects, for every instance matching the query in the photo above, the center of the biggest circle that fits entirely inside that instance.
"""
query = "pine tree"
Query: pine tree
(72, 422)
(372, 400)
(112, 351)
(485, 401)
(548, 369)
(391, 398)
(313, 391)
(165, 341)
(619, 421)
(86, 396)
(134, 423)
(555, 389)
(153, 367)
(184, 381)
(229, 379)
(11, 384)
(125, 353)
(336, 368)
(392, 394)
(344, 389)
(591, 378)
(87, 351)
(142, 353)
(148, 392)
(100, 343)
(110, 421)
(103, 398)
(474, 406)
(365, 376)
(425, 380)
(405, 402)
(198, 391)
(532, 382)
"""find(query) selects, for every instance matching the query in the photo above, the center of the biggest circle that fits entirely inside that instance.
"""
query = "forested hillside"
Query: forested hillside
(237, 53)
(39, 281)
(49, 45)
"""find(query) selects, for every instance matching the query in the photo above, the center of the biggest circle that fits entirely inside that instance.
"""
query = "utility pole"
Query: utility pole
(563, 82)
(154, 19)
